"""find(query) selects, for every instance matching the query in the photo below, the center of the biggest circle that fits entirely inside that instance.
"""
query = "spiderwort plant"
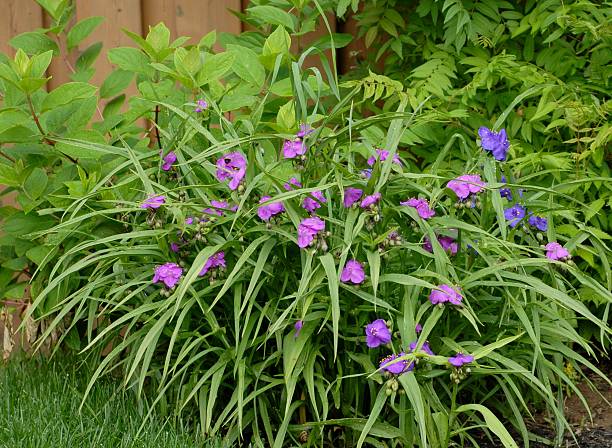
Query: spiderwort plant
(314, 279)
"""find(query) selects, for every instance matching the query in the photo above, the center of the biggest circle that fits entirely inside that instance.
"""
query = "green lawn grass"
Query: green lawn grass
(39, 408)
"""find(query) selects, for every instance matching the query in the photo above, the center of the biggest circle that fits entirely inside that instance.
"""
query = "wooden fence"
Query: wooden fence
(192, 18)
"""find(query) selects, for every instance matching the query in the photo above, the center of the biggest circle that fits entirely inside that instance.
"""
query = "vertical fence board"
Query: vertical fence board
(18, 16)
(118, 14)
(195, 18)
(62, 67)
(192, 18)
(155, 11)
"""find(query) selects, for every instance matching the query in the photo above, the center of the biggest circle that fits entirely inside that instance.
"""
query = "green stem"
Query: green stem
(451, 415)
(42, 131)
(35, 117)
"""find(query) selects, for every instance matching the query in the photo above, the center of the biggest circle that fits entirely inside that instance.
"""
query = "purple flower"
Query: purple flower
(396, 368)
(460, 359)
(307, 230)
(382, 155)
(425, 348)
(169, 274)
(538, 222)
(219, 207)
(293, 182)
(448, 244)
(353, 272)
(294, 148)
(305, 130)
(298, 327)
(310, 204)
(418, 328)
(153, 202)
(514, 214)
(377, 333)
(496, 143)
(168, 161)
(370, 200)
(265, 212)
(231, 166)
(202, 105)
(400, 367)
(507, 192)
(445, 293)
(351, 195)
(421, 206)
(174, 247)
(217, 260)
(367, 173)
(466, 185)
(188, 221)
(555, 251)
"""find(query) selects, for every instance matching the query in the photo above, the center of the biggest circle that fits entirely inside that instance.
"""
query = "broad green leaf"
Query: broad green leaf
(158, 37)
(36, 183)
(34, 42)
(67, 93)
(115, 83)
(208, 40)
(81, 30)
(273, 15)
(285, 118)
(130, 59)
(247, 65)
(215, 66)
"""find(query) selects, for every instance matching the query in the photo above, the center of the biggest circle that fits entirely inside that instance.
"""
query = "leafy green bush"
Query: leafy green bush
(253, 258)
(544, 65)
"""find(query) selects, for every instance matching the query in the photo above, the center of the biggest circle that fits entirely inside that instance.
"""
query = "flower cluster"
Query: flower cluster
(445, 293)
(308, 229)
(267, 211)
(421, 206)
(311, 233)
(297, 147)
(353, 272)
(496, 143)
(448, 244)
(556, 252)
(231, 166)
(314, 201)
(168, 160)
(169, 274)
(215, 261)
(153, 202)
(466, 186)
(351, 196)
(382, 155)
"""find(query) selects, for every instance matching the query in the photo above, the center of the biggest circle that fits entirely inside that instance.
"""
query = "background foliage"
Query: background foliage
(220, 351)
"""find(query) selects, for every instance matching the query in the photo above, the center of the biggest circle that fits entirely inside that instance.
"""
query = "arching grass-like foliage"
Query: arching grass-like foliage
(254, 264)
